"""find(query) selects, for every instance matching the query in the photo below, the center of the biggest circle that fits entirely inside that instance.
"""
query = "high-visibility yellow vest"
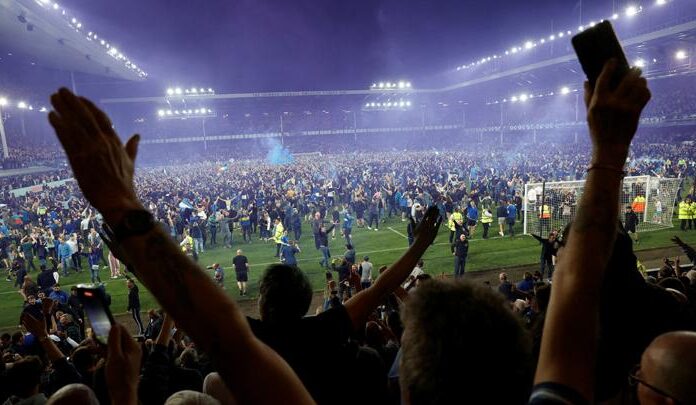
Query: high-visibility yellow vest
(638, 204)
(456, 216)
(486, 217)
(685, 210)
(278, 232)
(545, 212)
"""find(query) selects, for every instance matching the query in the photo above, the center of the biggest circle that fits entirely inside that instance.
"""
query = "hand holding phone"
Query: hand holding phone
(597, 45)
(98, 313)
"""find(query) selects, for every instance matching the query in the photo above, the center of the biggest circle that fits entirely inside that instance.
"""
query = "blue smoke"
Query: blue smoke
(278, 154)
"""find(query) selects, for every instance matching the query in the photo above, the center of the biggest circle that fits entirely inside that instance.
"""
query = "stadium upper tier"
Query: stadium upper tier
(45, 33)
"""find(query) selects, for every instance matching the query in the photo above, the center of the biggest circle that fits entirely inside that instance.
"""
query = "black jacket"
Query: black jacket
(461, 249)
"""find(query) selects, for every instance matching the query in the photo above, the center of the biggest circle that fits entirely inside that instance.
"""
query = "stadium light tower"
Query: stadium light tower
(681, 55)
(3, 138)
(639, 63)
(565, 90)
(632, 10)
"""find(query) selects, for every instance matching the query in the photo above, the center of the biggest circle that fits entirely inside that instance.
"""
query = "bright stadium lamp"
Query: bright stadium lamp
(210, 90)
(194, 90)
(402, 84)
(615, 16)
(661, 2)
(528, 45)
(74, 20)
(408, 104)
(177, 90)
(22, 105)
(3, 101)
(381, 85)
(169, 112)
(631, 11)
(56, 6)
(639, 63)
(160, 113)
(513, 99)
(170, 91)
(43, 109)
(681, 55)
(552, 38)
(210, 111)
(523, 97)
(565, 90)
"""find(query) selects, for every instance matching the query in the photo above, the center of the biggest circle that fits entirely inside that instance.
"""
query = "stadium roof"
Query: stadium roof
(44, 31)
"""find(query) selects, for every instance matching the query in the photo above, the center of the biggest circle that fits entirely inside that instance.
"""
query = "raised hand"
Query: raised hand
(122, 366)
(102, 165)
(426, 231)
(36, 327)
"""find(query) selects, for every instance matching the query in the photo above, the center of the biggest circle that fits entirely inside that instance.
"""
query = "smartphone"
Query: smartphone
(94, 303)
(594, 47)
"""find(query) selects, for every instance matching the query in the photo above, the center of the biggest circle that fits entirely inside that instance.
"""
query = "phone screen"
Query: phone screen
(98, 314)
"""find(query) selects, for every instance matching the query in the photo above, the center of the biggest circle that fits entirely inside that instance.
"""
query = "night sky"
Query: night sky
(260, 45)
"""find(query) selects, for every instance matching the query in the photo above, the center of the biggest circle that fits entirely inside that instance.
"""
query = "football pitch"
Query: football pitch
(383, 247)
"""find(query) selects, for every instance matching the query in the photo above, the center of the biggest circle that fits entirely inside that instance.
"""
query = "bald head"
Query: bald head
(669, 363)
(73, 394)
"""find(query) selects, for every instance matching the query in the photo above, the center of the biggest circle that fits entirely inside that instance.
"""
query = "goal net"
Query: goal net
(552, 205)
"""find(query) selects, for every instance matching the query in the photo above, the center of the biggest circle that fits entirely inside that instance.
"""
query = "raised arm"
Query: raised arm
(366, 301)
(104, 170)
(569, 342)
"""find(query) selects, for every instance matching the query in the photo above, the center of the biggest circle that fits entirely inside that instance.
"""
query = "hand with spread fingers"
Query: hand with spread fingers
(426, 231)
(102, 165)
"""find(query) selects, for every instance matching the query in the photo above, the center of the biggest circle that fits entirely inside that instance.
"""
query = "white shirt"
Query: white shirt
(417, 271)
(366, 271)
(73, 245)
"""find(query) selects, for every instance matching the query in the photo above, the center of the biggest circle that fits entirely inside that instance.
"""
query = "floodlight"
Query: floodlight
(681, 55)
(374, 85)
(514, 50)
(542, 41)
(379, 104)
(112, 51)
(631, 11)
(569, 32)
(3, 101)
(408, 104)
(74, 20)
(639, 63)
(507, 52)
(615, 16)
(176, 112)
(401, 85)
(565, 90)
(523, 97)
(367, 105)
(528, 45)
(401, 104)
(79, 25)
(592, 23)
(552, 38)
(160, 113)
(210, 111)
(513, 99)
(381, 85)
(177, 90)
(56, 6)
(202, 90)
(31, 108)
(210, 90)
(170, 91)
(458, 69)
(186, 91)
(22, 105)
(169, 112)
(581, 28)
(389, 104)
(661, 2)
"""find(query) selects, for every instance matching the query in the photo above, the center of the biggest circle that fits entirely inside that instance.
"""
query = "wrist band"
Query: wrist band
(595, 166)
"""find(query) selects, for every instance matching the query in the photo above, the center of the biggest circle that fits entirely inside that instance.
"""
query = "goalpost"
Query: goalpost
(552, 205)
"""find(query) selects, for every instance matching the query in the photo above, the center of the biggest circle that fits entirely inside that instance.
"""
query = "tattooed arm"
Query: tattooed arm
(104, 170)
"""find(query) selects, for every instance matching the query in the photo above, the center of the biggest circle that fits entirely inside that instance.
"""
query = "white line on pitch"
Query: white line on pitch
(397, 232)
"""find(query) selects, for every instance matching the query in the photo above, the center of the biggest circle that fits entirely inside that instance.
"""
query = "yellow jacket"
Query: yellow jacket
(279, 229)
(486, 217)
(686, 210)
(456, 216)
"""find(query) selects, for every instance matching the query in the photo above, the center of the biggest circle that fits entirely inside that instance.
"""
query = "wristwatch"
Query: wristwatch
(133, 223)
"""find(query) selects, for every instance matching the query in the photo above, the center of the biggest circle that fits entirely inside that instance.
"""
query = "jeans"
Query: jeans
(326, 255)
(246, 233)
(94, 274)
(486, 226)
(65, 261)
(298, 231)
(227, 238)
(30, 263)
(511, 227)
(459, 265)
(213, 235)
(198, 245)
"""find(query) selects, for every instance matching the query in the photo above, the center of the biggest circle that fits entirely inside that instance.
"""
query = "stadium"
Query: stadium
(341, 174)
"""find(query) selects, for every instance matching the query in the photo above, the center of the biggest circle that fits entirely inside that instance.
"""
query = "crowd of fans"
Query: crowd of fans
(398, 334)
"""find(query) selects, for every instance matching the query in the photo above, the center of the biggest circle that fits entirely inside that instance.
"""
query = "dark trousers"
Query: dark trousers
(684, 222)
(298, 231)
(486, 226)
(546, 263)
(511, 228)
(213, 235)
(135, 313)
(374, 217)
(459, 265)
